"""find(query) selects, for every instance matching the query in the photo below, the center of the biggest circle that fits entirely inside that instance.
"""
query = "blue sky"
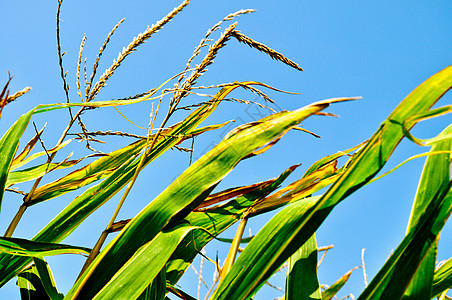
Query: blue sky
(380, 50)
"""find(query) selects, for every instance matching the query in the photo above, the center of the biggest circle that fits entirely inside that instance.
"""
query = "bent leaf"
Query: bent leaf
(187, 192)
(81, 207)
(22, 247)
(8, 147)
(47, 279)
(442, 280)
(140, 270)
(37, 171)
(436, 169)
(246, 277)
(330, 292)
(30, 285)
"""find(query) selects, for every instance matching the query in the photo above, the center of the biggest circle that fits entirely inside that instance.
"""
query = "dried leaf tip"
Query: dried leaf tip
(263, 48)
(18, 94)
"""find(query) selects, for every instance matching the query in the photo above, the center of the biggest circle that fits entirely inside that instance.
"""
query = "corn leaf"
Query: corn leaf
(47, 280)
(442, 280)
(103, 166)
(157, 289)
(82, 206)
(253, 267)
(215, 220)
(266, 247)
(8, 147)
(218, 218)
(302, 282)
(437, 167)
(23, 247)
(141, 269)
(187, 192)
(330, 292)
(19, 161)
(37, 171)
(393, 279)
(30, 285)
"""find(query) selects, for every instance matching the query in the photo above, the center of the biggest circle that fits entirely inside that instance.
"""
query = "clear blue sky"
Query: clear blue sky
(380, 50)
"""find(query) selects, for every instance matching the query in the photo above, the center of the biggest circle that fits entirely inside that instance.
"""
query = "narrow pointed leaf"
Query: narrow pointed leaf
(47, 279)
(393, 279)
(442, 280)
(246, 277)
(437, 167)
(30, 285)
(81, 207)
(22, 247)
(186, 192)
(330, 292)
(8, 147)
(141, 269)
(37, 171)
(302, 282)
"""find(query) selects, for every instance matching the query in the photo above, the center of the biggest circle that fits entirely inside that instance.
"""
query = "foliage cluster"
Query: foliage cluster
(152, 250)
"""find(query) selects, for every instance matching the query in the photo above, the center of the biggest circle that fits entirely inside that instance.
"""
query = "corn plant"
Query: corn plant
(152, 250)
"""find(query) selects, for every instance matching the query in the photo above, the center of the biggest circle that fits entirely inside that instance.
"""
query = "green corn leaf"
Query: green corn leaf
(30, 285)
(423, 116)
(145, 265)
(437, 167)
(103, 166)
(47, 280)
(247, 274)
(302, 282)
(393, 279)
(330, 292)
(37, 171)
(265, 248)
(19, 162)
(442, 281)
(81, 207)
(157, 289)
(218, 218)
(8, 147)
(215, 220)
(187, 192)
(23, 247)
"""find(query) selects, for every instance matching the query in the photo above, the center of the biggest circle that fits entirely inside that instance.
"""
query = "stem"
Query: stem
(234, 249)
